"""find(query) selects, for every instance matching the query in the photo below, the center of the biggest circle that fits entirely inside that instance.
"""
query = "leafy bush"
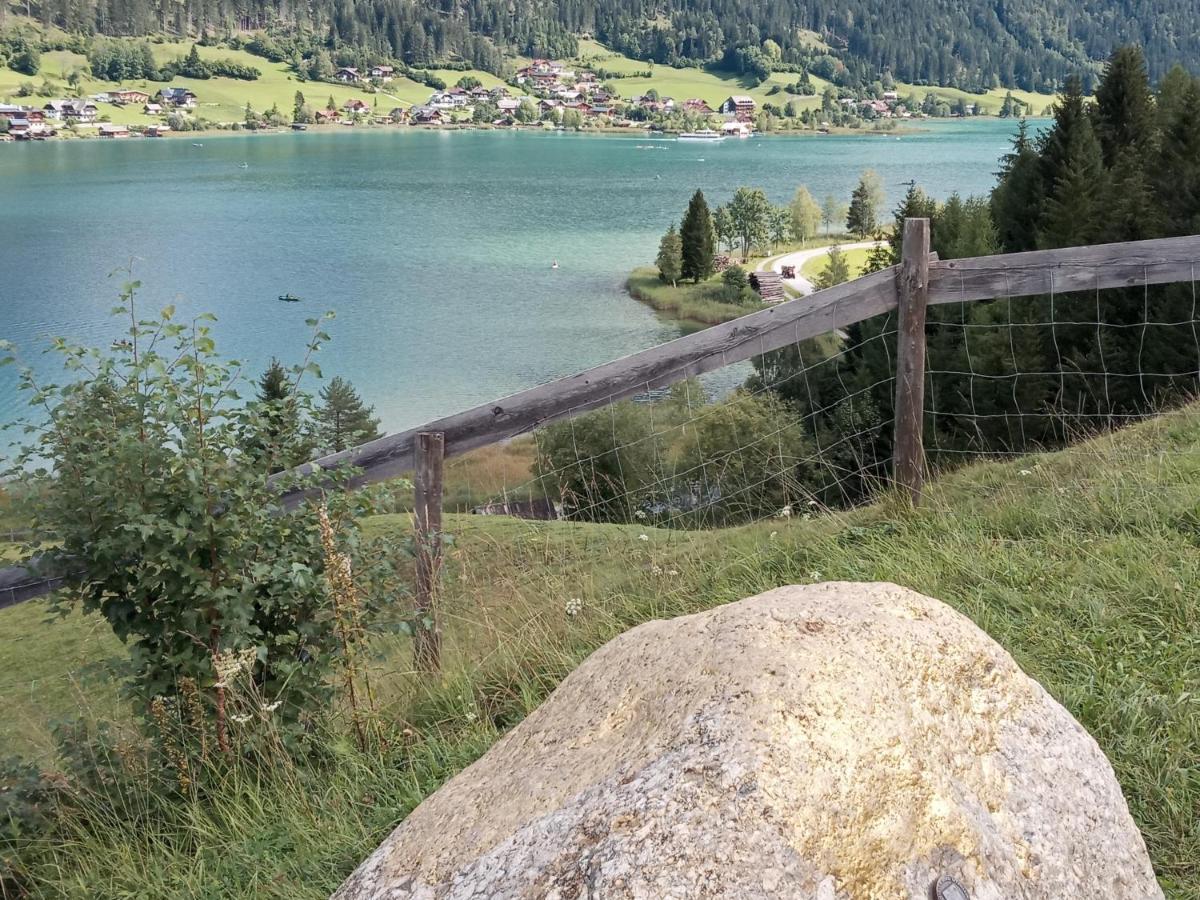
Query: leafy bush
(151, 475)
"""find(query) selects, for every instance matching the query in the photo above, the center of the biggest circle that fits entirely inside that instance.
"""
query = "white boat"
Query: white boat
(704, 134)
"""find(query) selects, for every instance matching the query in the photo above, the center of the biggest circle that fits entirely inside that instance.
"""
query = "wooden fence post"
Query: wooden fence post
(912, 291)
(427, 639)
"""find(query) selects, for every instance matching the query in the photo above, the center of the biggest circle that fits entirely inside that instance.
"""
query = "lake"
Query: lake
(434, 248)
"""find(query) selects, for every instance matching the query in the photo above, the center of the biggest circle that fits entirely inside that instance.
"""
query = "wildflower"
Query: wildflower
(814, 575)
(640, 514)
(786, 511)
(271, 707)
(672, 572)
(574, 606)
(812, 502)
(239, 719)
(656, 570)
(774, 534)
(1024, 472)
(643, 537)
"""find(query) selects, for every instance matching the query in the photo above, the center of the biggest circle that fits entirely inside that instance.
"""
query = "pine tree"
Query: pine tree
(670, 256)
(1073, 171)
(282, 442)
(860, 218)
(1177, 168)
(1019, 195)
(836, 271)
(696, 235)
(1124, 111)
(342, 420)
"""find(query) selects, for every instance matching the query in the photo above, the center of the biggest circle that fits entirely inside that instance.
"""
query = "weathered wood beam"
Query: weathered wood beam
(908, 448)
(661, 366)
(427, 516)
(1130, 264)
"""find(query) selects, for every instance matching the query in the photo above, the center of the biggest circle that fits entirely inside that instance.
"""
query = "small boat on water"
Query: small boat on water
(289, 298)
(554, 265)
(704, 134)
(244, 166)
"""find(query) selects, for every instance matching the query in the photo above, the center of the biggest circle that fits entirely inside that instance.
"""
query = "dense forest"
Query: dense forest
(1011, 376)
(973, 44)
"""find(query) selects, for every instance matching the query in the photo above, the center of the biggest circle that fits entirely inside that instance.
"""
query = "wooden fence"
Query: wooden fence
(921, 279)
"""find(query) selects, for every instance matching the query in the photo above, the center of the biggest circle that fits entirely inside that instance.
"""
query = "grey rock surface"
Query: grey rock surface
(819, 742)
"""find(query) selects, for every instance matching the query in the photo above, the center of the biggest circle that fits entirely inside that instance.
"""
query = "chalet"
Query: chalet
(497, 92)
(427, 115)
(130, 97)
(891, 96)
(348, 75)
(504, 122)
(739, 106)
(327, 116)
(179, 97)
(480, 93)
(456, 98)
(568, 95)
(18, 127)
(383, 73)
(508, 104)
(11, 111)
(111, 130)
(696, 105)
(356, 107)
(154, 131)
(547, 105)
(153, 109)
(875, 108)
(81, 111)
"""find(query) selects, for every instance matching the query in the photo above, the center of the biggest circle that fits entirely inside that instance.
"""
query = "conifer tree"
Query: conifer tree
(342, 419)
(696, 235)
(1019, 195)
(283, 441)
(1073, 171)
(860, 217)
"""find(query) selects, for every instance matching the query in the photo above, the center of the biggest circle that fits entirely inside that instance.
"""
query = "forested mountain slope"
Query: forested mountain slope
(1031, 44)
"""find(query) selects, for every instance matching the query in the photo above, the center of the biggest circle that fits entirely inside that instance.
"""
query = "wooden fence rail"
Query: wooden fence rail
(921, 279)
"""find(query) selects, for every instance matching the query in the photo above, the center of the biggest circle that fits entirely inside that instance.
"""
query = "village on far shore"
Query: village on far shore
(545, 94)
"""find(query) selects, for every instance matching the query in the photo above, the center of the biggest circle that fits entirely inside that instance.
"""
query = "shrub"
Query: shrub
(151, 476)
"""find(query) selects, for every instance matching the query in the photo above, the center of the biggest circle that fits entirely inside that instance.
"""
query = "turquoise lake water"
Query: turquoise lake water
(434, 249)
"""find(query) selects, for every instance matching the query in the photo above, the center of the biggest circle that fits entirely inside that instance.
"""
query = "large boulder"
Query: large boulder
(827, 741)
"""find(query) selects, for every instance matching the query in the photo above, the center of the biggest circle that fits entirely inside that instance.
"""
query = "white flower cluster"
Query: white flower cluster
(228, 664)
(574, 606)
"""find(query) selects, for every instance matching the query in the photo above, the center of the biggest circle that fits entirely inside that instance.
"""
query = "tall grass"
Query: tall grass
(1083, 564)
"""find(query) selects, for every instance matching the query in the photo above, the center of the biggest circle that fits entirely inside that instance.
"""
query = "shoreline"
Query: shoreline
(640, 133)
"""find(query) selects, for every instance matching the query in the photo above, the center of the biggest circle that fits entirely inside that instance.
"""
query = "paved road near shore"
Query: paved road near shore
(799, 258)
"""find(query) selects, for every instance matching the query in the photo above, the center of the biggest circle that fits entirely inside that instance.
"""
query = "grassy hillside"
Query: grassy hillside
(224, 99)
(1083, 564)
(714, 86)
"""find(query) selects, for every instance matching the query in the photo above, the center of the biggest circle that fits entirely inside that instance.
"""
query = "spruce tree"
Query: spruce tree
(1073, 174)
(670, 256)
(342, 419)
(860, 218)
(696, 234)
(1019, 195)
(282, 442)
(1124, 111)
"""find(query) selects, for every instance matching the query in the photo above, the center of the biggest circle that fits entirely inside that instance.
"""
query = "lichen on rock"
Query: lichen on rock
(828, 741)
